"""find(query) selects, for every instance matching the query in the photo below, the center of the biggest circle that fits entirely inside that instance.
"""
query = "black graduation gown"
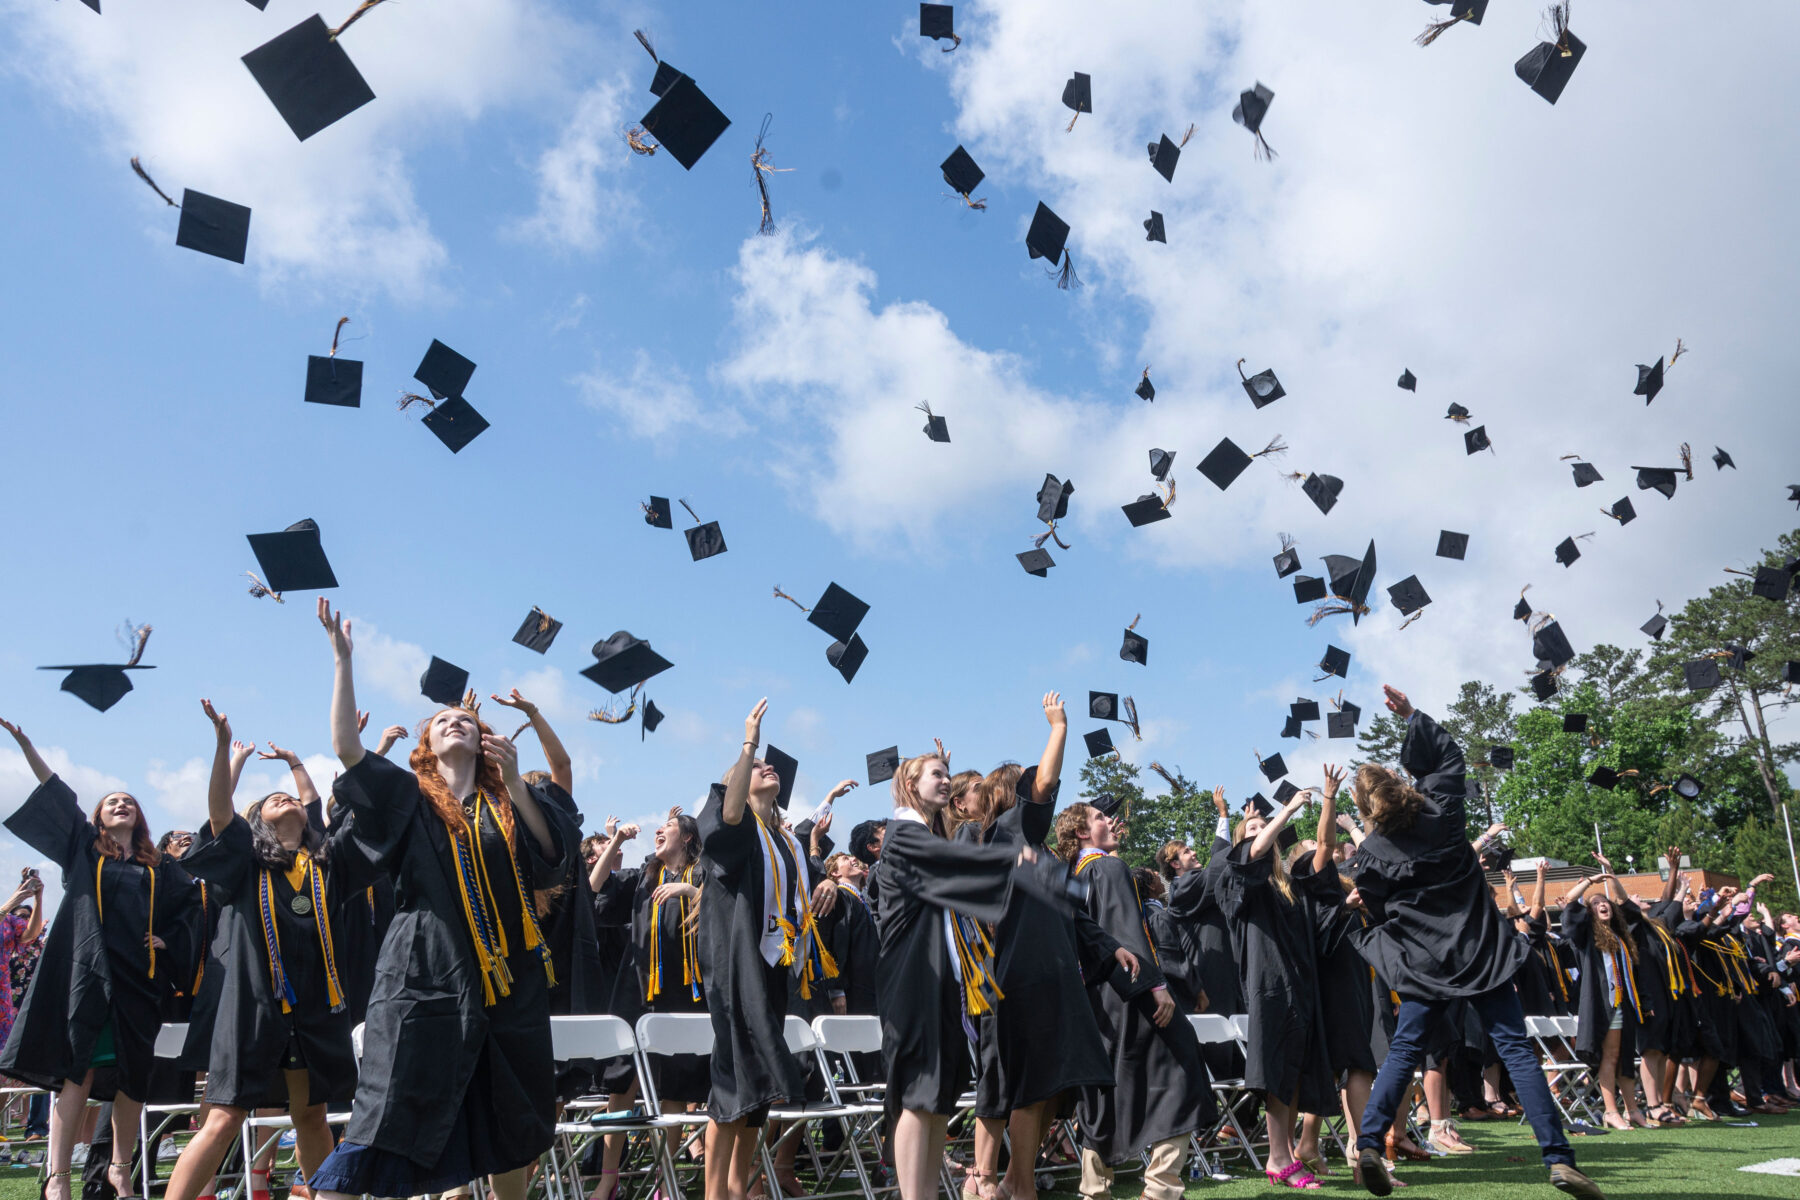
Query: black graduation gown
(1193, 900)
(95, 967)
(850, 932)
(583, 982)
(1160, 1088)
(1716, 991)
(435, 1057)
(1594, 1008)
(924, 1045)
(1275, 943)
(1179, 955)
(250, 1033)
(1346, 1001)
(1436, 932)
(1039, 951)
(1663, 971)
(683, 1077)
(747, 997)
(1543, 988)
(364, 916)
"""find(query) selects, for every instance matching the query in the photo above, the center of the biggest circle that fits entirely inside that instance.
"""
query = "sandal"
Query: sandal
(1700, 1108)
(1296, 1176)
(1410, 1153)
(974, 1176)
(124, 1193)
(1315, 1163)
(606, 1193)
(1665, 1114)
(1609, 1121)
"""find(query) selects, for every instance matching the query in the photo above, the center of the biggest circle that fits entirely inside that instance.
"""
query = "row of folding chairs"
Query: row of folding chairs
(1572, 1082)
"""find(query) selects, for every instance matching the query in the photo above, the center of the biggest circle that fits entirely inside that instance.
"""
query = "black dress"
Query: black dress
(1194, 901)
(253, 1039)
(1543, 986)
(1160, 1088)
(1040, 950)
(1596, 1004)
(452, 1087)
(1663, 971)
(1346, 999)
(659, 948)
(96, 971)
(364, 917)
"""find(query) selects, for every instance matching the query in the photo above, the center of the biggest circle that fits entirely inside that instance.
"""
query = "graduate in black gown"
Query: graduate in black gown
(1669, 1033)
(1436, 936)
(1611, 1008)
(1193, 902)
(97, 993)
(1160, 1092)
(365, 916)
(282, 1027)
(457, 1076)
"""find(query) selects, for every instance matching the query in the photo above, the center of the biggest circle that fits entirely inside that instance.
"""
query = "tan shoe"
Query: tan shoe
(1445, 1138)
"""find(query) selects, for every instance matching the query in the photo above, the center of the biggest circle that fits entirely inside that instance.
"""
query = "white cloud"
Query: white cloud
(16, 784)
(386, 664)
(653, 399)
(576, 209)
(179, 792)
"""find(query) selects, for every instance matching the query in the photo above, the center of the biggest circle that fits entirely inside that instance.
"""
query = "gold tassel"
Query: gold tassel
(145, 176)
(354, 17)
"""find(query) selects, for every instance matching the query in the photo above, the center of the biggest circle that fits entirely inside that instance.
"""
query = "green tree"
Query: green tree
(1112, 776)
(1760, 847)
(1183, 813)
(1480, 717)
(1380, 741)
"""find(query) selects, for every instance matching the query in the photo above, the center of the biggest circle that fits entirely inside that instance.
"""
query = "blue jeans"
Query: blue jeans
(1505, 1023)
(37, 1120)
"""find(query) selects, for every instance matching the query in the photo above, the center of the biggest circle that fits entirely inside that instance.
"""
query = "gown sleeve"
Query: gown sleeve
(1578, 925)
(620, 893)
(1436, 761)
(729, 847)
(547, 862)
(1035, 819)
(1188, 895)
(52, 823)
(384, 799)
(1115, 912)
(224, 862)
(970, 879)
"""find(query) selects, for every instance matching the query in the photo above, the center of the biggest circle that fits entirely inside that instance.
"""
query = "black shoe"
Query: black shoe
(1731, 1108)
(1373, 1169)
(1565, 1178)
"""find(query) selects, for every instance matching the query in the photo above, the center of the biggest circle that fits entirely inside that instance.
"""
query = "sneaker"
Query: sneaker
(1565, 1178)
(78, 1156)
(168, 1152)
(286, 1141)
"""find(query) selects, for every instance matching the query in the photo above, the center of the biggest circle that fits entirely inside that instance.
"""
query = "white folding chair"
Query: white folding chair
(798, 1121)
(1572, 1083)
(169, 1041)
(1214, 1029)
(666, 1034)
(596, 1037)
(846, 1037)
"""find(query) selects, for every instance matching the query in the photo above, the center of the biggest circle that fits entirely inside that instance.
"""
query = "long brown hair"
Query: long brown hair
(1611, 935)
(143, 846)
(1278, 872)
(963, 783)
(437, 793)
(997, 794)
(1388, 804)
(906, 791)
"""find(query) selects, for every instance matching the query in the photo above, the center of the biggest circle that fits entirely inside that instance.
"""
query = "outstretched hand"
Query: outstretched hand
(1334, 780)
(1053, 710)
(277, 753)
(1397, 702)
(843, 786)
(515, 700)
(753, 723)
(337, 628)
(1219, 801)
(221, 723)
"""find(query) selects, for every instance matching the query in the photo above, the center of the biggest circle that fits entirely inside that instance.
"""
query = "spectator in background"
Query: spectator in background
(21, 940)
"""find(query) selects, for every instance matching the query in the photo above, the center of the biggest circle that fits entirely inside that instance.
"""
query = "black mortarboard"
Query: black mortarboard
(97, 686)
(1575, 722)
(1521, 610)
(1351, 579)
(1036, 562)
(1098, 742)
(1107, 803)
(1335, 662)
(1341, 724)
(444, 371)
(1550, 644)
(1145, 390)
(621, 661)
(1285, 791)
(1543, 685)
(936, 21)
(1145, 510)
(960, 171)
(1566, 551)
(1304, 709)
(1161, 461)
(1053, 498)
(1291, 727)
(1308, 588)
(443, 682)
(1721, 460)
(1546, 67)
(537, 630)
(1456, 412)
(658, 514)
(1476, 440)
(651, 717)
(685, 122)
(937, 428)
(1771, 583)
(1739, 655)
(1164, 155)
(1153, 229)
(455, 422)
(1409, 595)
(1585, 473)
(1701, 674)
(1655, 626)
(1103, 706)
(883, 763)
(1623, 511)
(786, 770)
(706, 540)
(1687, 787)
(1287, 562)
(1409, 381)
(308, 78)
(1252, 107)
(1452, 545)
(213, 226)
(1500, 757)
(1323, 491)
(1078, 93)
(665, 76)
(293, 560)
(847, 656)
(1262, 388)
(1136, 648)
(1650, 381)
(1259, 804)
(1794, 493)
(1048, 234)
(1224, 464)
(333, 380)
(1604, 777)
(1790, 672)
(838, 613)
(1273, 768)
(1661, 479)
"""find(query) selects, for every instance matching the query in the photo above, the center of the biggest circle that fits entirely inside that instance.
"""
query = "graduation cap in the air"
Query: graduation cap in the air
(705, 539)
(1687, 787)
(1452, 545)
(208, 224)
(1409, 595)
(1291, 727)
(1500, 757)
(1721, 460)
(1103, 706)
(1476, 440)
(963, 176)
(452, 421)
(1566, 551)
(1457, 413)
(1036, 562)
(1048, 238)
(1161, 462)
(658, 513)
(307, 76)
(1322, 490)
(1304, 709)
(1549, 644)
(1604, 777)
(1623, 510)
(1335, 661)
(1136, 647)
(786, 770)
(1543, 685)
(1460, 10)
(1272, 767)
(1409, 381)
(1078, 95)
(938, 21)
(537, 630)
(837, 612)
(1585, 473)
(1737, 656)
(1288, 561)
(1701, 674)
(882, 765)
(1575, 723)
(1145, 390)
(1655, 625)
(1649, 381)
(847, 656)
(1053, 498)
(649, 717)
(1351, 579)
(102, 685)
(665, 74)
(936, 428)
(1342, 723)
(1790, 672)
(1546, 67)
(1107, 803)
(1794, 493)
(1661, 479)
(333, 380)
(1224, 464)
(1771, 583)
(684, 122)
(1308, 589)
(622, 661)
(445, 372)
(1164, 154)
(1262, 388)
(293, 560)
(1252, 107)
(1099, 742)
(1146, 510)
(444, 683)
(1153, 228)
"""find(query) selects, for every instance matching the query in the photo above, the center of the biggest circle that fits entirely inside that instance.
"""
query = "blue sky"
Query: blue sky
(634, 336)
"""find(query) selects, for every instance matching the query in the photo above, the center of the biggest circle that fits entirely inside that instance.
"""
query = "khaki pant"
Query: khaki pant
(1162, 1178)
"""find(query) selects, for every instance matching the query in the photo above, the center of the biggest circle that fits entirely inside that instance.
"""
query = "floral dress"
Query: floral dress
(17, 959)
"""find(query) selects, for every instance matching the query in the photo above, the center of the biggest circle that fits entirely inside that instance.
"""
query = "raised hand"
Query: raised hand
(278, 754)
(842, 787)
(1219, 801)
(362, 721)
(1602, 860)
(942, 753)
(753, 724)
(515, 700)
(624, 833)
(337, 628)
(1397, 702)
(1334, 780)
(240, 754)
(1761, 879)
(503, 753)
(821, 825)
(1053, 710)
(221, 723)
(612, 827)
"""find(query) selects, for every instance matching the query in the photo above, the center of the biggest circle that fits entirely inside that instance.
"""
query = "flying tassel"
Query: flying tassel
(137, 637)
(1680, 349)
(1434, 31)
(610, 715)
(408, 399)
(690, 510)
(1134, 622)
(1417, 613)
(1288, 541)
(634, 137)
(760, 162)
(954, 43)
(644, 41)
(1264, 152)
(1048, 535)
(145, 176)
(1567, 457)
(354, 17)
(1066, 278)
(1275, 449)
(1334, 608)
(1069, 128)
(1169, 500)
(1186, 137)
(1559, 25)
(1687, 459)
(520, 730)
(650, 514)
(1164, 772)
(1131, 718)
(259, 589)
(781, 595)
(335, 333)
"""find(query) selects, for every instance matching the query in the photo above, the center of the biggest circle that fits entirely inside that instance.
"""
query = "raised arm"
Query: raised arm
(562, 771)
(390, 735)
(1327, 839)
(304, 791)
(38, 766)
(219, 789)
(1430, 754)
(346, 732)
(502, 752)
(737, 784)
(1536, 912)
(1669, 884)
(1516, 905)
(1222, 829)
(1265, 837)
(610, 854)
(1049, 770)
